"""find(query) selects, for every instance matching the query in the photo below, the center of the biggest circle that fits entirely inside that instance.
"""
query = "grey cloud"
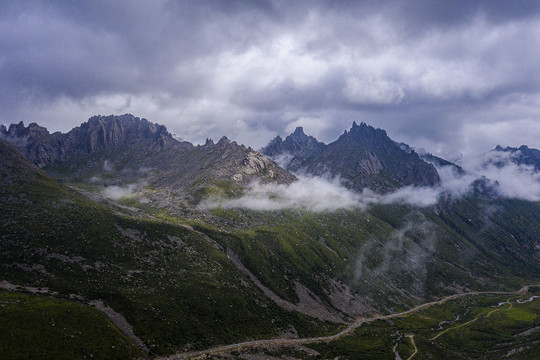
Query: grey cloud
(427, 71)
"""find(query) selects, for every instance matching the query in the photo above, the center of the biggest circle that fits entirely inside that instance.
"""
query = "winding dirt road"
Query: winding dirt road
(414, 345)
(346, 331)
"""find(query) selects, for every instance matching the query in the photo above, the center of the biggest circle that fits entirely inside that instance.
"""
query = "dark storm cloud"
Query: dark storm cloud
(433, 73)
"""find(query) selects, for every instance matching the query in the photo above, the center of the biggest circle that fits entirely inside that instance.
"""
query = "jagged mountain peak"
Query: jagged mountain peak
(294, 144)
(19, 130)
(512, 149)
(299, 131)
(224, 141)
(366, 133)
(112, 150)
(366, 157)
(115, 130)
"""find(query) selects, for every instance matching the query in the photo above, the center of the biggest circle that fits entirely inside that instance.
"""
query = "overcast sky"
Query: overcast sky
(453, 77)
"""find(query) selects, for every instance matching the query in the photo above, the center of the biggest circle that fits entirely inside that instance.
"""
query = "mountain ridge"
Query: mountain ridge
(522, 155)
(362, 157)
(119, 150)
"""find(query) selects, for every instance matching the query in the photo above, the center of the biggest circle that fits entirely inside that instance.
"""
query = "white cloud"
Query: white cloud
(513, 180)
(507, 178)
(118, 192)
(319, 195)
(314, 194)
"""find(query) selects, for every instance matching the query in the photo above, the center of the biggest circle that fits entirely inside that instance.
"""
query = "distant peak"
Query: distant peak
(362, 125)
(365, 128)
(299, 131)
(224, 140)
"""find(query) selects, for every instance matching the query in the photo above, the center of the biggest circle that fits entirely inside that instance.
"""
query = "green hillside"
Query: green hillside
(204, 278)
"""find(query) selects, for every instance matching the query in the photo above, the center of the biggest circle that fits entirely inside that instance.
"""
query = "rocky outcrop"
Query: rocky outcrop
(255, 162)
(225, 160)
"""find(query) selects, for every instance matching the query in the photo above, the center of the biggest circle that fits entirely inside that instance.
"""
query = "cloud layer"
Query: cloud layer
(452, 77)
(503, 175)
(319, 195)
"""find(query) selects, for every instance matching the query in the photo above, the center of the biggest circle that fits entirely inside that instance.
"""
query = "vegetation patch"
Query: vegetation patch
(37, 327)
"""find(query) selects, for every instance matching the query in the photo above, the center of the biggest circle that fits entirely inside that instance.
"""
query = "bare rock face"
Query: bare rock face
(369, 164)
(98, 134)
(255, 162)
(227, 161)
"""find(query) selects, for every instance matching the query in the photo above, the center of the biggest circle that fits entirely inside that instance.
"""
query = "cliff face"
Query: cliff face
(99, 133)
(362, 157)
(117, 131)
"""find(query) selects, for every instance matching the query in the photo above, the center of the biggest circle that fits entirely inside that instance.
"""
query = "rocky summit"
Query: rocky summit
(295, 150)
(363, 157)
(99, 133)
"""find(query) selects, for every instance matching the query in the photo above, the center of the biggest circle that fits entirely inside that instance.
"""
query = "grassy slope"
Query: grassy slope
(384, 249)
(175, 288)
(37, 327)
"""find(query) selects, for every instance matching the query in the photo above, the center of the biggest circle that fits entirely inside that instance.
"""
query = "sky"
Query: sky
(453, 77)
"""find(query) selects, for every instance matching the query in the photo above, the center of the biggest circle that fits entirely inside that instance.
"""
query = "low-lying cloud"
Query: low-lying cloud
(316, 194)
(511, 180)
(117, 192)
(506, 178)
(319, 195)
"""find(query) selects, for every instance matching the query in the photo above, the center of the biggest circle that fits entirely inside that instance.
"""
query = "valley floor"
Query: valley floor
(448, 318)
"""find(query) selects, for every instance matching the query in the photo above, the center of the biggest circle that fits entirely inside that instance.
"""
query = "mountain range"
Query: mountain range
(108, 250)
